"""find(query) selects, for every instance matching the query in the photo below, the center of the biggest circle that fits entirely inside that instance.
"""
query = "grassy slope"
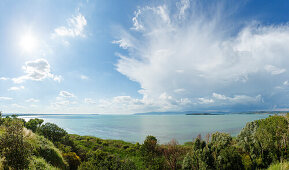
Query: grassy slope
(122, 149)
(45, 154)
(279, 166)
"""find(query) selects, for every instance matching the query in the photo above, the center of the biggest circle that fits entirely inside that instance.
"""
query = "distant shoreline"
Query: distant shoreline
(149, 113)
(192, 114)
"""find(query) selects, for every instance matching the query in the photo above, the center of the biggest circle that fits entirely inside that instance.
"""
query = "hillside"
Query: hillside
(32, 145)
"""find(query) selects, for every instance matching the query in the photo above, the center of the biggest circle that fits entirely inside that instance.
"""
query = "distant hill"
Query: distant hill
(210, 113)
(182, 113)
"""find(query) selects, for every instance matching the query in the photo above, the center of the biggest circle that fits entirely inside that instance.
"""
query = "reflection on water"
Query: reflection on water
(134, 128)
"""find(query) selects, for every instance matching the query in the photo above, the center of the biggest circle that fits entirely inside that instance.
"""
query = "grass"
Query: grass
(279, 166)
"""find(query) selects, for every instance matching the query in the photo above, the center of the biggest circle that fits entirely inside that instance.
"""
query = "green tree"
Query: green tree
(1, 118)
(13, 145)
(33, 124)
(200, 155)
(229, 158)
(265, 140)
(151, 153)
(187, 162)
(52, 132)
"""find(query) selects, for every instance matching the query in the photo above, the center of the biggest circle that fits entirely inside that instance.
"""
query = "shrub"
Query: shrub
(72, 159)
(44, 148)
(40, 164)
(279, 166)
(52, 132)
(33, 124)
(14, 147)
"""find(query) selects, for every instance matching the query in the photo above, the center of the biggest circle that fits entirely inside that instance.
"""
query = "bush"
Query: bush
(279, 166)
(44, 148)
(52, 132)
(72, 159)
(13, 146)
(151, 153)
(102, 160)
(40, 164)
(33, 124)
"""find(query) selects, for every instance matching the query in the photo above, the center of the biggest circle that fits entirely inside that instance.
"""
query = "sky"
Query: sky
(123, 57)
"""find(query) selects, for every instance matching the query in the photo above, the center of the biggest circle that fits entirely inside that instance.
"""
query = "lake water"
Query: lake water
(134, 128)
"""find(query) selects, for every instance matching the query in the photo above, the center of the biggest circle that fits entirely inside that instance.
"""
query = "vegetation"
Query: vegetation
(279, 166)
(33, 145)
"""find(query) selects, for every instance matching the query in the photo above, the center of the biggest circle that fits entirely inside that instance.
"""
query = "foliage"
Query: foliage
(33, 124)
(172, 153)
(72, 159)
(52, 132)
(47, 150)
(151, 153)
(38, 163)
(42, 147)
(102, 160)
(13, 146)
(259, 144)
(265, 141)
(279, 166)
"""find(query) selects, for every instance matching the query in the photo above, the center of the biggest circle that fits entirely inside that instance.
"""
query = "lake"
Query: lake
(134, 128)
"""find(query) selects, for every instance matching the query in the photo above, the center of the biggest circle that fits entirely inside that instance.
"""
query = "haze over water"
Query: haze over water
(134, 128)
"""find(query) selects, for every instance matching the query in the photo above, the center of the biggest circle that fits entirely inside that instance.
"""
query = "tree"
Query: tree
(200, 155)
(1, 118)
(13, 146)
(52, 132)
(33, 124)
(224, 153)
(229, 158)
(265, 140)
(151, 153)
(187, 162)
(150, 145)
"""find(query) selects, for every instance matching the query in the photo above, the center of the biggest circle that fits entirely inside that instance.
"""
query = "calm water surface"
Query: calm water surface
(134, 128)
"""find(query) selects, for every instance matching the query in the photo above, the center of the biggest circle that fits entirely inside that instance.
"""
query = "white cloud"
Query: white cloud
(238, 99)
(194, 49)
(66, 94)
(17, 106)
(33, 106)
(4, 78)
(122, 43)
(219, 96)
(15, 88)
(179, 90)
(5, 98)
(136, 24)
(206, 101)
(274, 70)
(32, 100)
(37, 70)
(64, 99)
(183, 5)
(220, 99)
(75, 27)
(89, 101)
(83, 77)
(285, 83)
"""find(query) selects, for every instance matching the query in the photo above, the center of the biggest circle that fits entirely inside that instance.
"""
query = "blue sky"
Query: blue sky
(121, 57)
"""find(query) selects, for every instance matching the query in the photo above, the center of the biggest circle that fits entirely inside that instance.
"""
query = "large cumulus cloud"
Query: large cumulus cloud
(191, 55)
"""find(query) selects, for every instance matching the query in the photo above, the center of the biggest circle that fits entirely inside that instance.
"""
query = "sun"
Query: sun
(28, 42)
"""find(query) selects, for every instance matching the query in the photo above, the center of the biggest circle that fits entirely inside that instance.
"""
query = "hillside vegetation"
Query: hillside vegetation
(261, 144)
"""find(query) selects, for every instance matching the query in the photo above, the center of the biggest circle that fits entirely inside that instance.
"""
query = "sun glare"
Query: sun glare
(28, 43)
